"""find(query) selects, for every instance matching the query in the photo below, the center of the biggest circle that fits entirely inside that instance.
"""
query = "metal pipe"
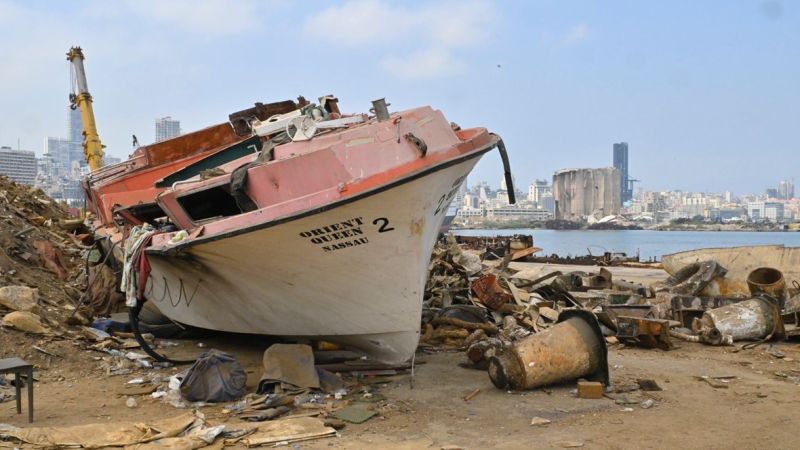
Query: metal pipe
(381, 109)
(573, 348)
(766, 280)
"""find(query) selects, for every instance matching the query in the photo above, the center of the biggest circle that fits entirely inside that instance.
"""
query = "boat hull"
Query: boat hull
(352, 273)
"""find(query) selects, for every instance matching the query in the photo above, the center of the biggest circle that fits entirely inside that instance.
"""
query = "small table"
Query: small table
(18, 366)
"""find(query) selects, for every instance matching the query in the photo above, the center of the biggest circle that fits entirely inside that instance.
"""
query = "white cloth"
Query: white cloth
(128, 285)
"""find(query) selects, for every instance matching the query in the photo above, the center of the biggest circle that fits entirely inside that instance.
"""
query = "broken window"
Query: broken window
(209, 203)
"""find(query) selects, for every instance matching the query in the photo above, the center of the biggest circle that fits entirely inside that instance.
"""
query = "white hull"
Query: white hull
(362, 287)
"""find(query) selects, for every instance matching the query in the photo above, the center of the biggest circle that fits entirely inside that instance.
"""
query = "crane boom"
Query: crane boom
(92, 147)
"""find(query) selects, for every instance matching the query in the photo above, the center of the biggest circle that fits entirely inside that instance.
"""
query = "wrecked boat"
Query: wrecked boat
(740, 262)
(291, 219)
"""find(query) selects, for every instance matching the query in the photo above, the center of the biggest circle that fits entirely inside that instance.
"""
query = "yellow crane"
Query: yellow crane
(81, 99)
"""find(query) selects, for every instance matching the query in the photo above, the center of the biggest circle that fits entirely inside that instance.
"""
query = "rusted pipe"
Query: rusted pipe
(750, 319)
(489, 328)
(766, 280)
(711, 337)
(573, 348)
(684, 336)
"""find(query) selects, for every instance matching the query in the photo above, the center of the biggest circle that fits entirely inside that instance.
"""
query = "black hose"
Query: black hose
(133, 314)
(501, 147)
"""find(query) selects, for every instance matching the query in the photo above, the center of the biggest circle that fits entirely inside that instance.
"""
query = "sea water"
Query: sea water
(649, 244)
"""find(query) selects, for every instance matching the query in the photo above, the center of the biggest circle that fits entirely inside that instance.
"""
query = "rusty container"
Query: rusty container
(747, 320)
(766, 280)
(489, 292)
(573, 348)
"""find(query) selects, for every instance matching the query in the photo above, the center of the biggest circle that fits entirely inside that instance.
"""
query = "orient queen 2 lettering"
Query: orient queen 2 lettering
(445, 199)
(344, 234)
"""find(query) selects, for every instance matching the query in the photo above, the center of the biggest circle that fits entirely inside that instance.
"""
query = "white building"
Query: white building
(537, 189)
(167, 128)
(516, 212)
(470, 212)
(771, 211)
(18, 165)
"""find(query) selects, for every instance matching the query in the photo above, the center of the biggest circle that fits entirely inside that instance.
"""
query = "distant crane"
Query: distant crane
(81, 99)
(630, 183)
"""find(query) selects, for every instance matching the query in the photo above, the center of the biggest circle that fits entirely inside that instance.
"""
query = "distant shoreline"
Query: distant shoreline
(667, 228)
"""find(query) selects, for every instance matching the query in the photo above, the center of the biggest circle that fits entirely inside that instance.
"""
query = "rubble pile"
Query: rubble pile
(42, 275)
(508, 321)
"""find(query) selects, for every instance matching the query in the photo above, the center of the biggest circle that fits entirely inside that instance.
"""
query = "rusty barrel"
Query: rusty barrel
(766, 280)
(750, 319)
(573, 348)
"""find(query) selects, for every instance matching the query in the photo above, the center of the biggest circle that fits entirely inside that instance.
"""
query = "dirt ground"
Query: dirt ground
(758, 409)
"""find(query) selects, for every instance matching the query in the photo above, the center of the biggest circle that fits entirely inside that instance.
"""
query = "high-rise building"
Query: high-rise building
(728, 196)
(167, 128)
(75, 137)
(786, 190)
(18, 165)
(621, 164)
(74, 126)
(547, 202)
(58, 151)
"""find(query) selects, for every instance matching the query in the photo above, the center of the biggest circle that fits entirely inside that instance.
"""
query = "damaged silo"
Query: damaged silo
(580, 193)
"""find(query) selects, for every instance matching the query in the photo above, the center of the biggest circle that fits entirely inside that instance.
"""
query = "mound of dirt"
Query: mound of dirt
(40, 248)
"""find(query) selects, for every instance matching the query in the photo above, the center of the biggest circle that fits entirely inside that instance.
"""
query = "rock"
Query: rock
(336, 424)
(776, 354)
(647, 384)
(539, 421)
(19, 298)
(569, 444)
(26, 321)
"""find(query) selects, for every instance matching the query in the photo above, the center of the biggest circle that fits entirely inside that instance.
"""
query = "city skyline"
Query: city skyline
(560, 82)
(593, 196)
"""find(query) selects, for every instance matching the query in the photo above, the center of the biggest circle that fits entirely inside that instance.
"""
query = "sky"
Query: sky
(706, 93)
